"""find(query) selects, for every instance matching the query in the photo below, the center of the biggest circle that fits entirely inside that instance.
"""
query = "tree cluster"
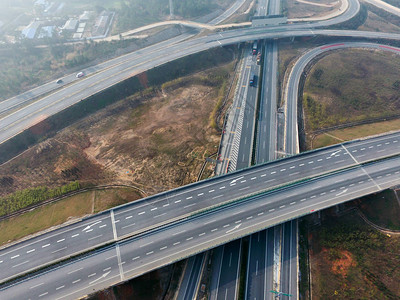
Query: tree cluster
(30, 196)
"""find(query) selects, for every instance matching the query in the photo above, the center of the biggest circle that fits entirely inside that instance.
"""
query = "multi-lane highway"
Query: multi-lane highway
(292, 88)
(260, 270)
(35, 252)
(139, 255)
(161, 209)
(116, 70)
(178, 204)
(138, 62)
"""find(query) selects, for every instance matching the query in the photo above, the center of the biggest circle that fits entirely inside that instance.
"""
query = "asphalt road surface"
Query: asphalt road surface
(172, 243)
(152, 212)
(142, 60)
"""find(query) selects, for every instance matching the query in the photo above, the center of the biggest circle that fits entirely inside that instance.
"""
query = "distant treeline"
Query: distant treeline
(136, 13)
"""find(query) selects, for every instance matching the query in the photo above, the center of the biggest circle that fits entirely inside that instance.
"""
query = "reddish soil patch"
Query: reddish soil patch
(342, 265)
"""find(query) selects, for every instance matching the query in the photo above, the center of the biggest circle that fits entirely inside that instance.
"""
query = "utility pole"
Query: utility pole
(171, 9)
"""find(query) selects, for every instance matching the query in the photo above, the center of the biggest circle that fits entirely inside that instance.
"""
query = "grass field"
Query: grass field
(352, 85)
(57, 213)
(351, 133)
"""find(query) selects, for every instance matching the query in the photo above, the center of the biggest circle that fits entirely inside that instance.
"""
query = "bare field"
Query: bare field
(299, 9)
(379, 24)
(156, 140)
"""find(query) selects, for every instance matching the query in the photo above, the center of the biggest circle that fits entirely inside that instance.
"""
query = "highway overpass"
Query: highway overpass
(153, 212)
(121, 222)
(22, 112)
(139, 255)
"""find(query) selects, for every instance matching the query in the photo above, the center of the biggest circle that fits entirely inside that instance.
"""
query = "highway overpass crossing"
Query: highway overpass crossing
(22, 112)
(159, 212)
(27, 116)
(149, 251)
(153, 212)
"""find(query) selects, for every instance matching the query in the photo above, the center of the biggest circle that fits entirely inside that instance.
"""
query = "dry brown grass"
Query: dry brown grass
(302, 10)
(351, 133)
(377, 23)
(156, 141)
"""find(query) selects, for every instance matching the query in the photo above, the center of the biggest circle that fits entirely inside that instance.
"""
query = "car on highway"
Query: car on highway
(80, 74)
(59, 81)
(252, 81)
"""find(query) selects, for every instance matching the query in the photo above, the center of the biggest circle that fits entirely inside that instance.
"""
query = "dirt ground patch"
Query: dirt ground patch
(156, 140)
(298, 9)
(378, 23)
(342, 264)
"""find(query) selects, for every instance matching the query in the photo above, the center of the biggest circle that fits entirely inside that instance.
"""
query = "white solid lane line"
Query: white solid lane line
(95, 237)
(74, 271)
(59, 250)
(144, 245)
(35, 286)
(20, 264)
(176, 233)
(159, 215)
(130, 225)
